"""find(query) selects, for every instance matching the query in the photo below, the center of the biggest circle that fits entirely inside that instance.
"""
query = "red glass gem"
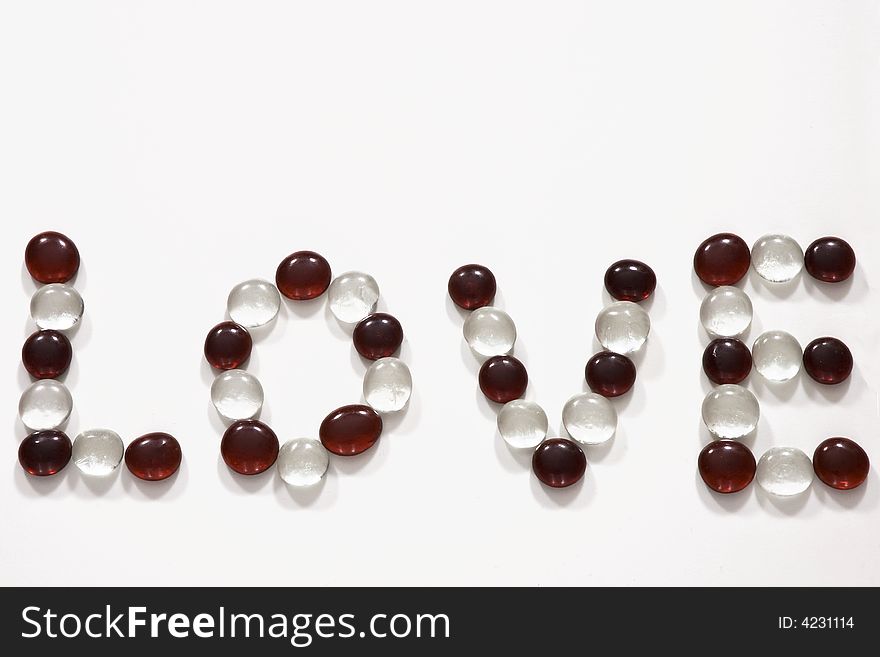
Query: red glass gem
(377, 336)
(630, 280)
(44, 453)
(472, 287)
(727, 360)
(830, 260)
(303, 275)
(228, 346)
(828, 360)
(727, 466)
(249, 447)
(722, 259)
(841, 463)
(503, 379)
(350, 430)
(559, 463)
(46, 354)
(153, 457)
(51, 257)
(610, 374)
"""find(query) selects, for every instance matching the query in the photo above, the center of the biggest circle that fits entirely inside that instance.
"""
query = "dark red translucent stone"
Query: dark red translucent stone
(350, 430)
(44, 453)
(610, 374)
(841, 463)
(249, 447)
(722, 259)
(503, 379)
(51, 257)
(830, 260)
(46, 354)
(727, 360)
(472, 287)
(559, 463)
(377, 336)
(153, 457)
(828, 360)
(630, 280)
(228, 346)
(303, 275)
(727, 466)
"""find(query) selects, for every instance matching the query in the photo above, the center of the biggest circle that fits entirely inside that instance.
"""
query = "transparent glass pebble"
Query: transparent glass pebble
(490, 332)
(302, 462)
(387, 385)
(56, 306)
(623, 327)
(522, 424)
(237, 395)
(777, 258)
(352, 296)
(731, 412)
(590, 419)
(777, 356)
(45, 404)
(784, 471)
(726, 312)
(98, 452)
(253, 303)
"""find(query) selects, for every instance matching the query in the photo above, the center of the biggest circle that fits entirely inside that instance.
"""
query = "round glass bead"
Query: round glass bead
(56, 306)
(726, 312)
(490, 332)
(388, 385)
(830, 260)
(249, 447)
(228, 346)
(44, 453)
(784, 471)
(622, 327)
(377, 336)
(253, 303)
(153, 457)
(559, 463)
(841, 463)
(352, 296)
(828, 361)
(609, 374)
(350, 430)
(777, 258)
(302, 462)
(630, 280)
(503, 379)
(45, 404)
(731, 412)
(303, 275)
(777, 356)
(722, 259)
(727, 360)
(726, 466)
(590, 419)
(522, 424)
(51, 257)
(98, 452)
(472, 287)
(46, 354)
(237, 395)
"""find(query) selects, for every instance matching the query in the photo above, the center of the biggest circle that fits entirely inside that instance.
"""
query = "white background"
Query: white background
(186, 146)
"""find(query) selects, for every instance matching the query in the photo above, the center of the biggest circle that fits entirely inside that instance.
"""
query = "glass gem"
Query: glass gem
(731, 412)
(503, 379)
(98, 452)
(784, 471)
(377, 336)
(472, 287)
(777, 258)
(559, 463)
(522, 424)
(237, 395)
(623, 327)
(726, 312)
(630, 280)
(388, 385)
(228, 346)
(350, 430)
(153, 457)
(726, 466)
(727, 360)
(302, 462)
(253, 303)
(303, 275)
(609, 374)
(777, 356)
(490, 332)
(830, 260)
(590, 419)
(841, 463)
(56, 306)
(722, 259)
(352, 296)
(46, 354)
(51, 257)
(44, 453)
(249, 447)
(828, 361)
(45, 404)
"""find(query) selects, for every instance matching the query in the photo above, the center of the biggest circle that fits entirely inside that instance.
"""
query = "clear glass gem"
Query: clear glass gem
(56, 306)
(522, 424)
(784, 471)
(387, 385)
(352, 296)
(726, 312)
(302, 462)
(98, 452)
(45, 404)
(731, 412)
(589, 418)
(777, 356)
(253, 303)
(623, 327)
(490, 332)
(777, 258)
(237, 395)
